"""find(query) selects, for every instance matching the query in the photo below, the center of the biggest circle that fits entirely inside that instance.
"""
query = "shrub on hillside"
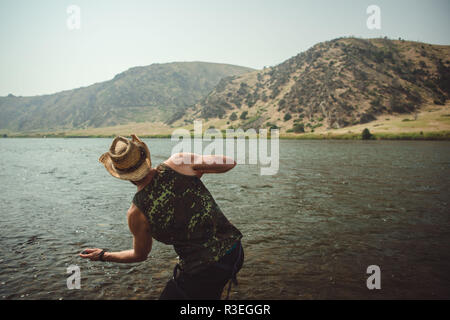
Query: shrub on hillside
(366, 135)
(299, 128)
(287, 117)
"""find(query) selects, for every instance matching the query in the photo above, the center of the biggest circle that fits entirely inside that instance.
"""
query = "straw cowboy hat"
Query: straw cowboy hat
(127, 159)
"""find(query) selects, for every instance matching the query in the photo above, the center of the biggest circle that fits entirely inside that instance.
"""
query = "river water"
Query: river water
(310, 231)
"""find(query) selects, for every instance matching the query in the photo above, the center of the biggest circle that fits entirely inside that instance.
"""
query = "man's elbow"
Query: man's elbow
(228, 162)
(231, 165)
(140, 258)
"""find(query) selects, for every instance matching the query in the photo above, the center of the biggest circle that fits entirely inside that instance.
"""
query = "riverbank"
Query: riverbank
(421, 136)
(431, 123)
(433, 135)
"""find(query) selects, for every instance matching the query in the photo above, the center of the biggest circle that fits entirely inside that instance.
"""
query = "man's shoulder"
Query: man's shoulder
(136, 219)
(133, 211)
(135, 214)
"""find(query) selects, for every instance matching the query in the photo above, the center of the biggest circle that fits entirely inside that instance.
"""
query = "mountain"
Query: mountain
(334, 84)
(152, 93)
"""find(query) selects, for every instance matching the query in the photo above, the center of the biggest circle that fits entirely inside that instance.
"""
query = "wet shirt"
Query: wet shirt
(182, 212)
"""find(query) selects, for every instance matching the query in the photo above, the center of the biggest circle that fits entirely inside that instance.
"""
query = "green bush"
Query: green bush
(243, 115)
(233, 116)
(271, 126)
(366, 135)
(287, 117)
(299, 128)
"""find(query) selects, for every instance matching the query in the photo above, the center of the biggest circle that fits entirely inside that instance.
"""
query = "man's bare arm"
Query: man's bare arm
(193, 164)
(142, 241)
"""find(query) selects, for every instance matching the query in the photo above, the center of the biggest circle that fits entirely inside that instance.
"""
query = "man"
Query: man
(173, 206)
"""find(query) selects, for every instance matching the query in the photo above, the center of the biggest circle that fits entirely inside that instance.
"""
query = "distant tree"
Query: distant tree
(233, 116)
(299, 128)
(287, 117)
(366, 135)
(275, 93)
(242, 89)
(259, 76)
(243, 115)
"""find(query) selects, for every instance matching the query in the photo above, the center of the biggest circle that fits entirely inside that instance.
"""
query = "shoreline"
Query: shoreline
(405, 136)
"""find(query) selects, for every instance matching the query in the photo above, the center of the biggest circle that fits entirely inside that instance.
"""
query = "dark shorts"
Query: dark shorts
(207, 284)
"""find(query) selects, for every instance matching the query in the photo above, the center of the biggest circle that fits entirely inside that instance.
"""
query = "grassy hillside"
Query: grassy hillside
(431, 123)
(153, 93)
(336, 84)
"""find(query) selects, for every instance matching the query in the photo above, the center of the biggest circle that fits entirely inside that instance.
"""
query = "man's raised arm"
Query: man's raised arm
(194, 164)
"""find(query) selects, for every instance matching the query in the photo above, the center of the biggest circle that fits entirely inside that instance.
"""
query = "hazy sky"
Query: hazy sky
(41, 55)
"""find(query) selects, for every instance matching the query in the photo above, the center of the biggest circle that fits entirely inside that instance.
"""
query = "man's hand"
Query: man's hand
(92, 254)
(142, 241)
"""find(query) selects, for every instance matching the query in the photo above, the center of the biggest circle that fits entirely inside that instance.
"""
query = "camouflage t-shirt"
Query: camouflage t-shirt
(183, 213)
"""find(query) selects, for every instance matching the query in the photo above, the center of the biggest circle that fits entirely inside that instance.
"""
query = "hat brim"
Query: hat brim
(138, 174)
